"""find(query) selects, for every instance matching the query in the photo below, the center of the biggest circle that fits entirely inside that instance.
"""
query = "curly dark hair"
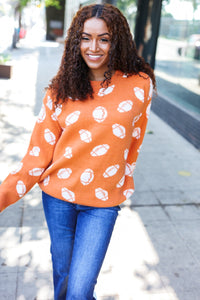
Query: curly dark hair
(72, 80)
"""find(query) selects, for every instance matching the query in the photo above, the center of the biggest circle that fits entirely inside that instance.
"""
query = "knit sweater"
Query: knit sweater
(85, 152)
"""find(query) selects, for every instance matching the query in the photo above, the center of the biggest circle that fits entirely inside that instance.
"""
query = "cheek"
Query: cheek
(82, 48)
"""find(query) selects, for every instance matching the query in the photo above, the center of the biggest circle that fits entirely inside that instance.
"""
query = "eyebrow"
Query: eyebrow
(102, 34)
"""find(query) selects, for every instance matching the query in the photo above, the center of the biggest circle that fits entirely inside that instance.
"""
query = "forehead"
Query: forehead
(95, 26)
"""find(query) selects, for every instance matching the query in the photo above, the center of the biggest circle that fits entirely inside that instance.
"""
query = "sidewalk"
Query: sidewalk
(155, 249)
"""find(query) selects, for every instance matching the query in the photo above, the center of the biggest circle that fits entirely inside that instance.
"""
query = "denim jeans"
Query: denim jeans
(80, 236)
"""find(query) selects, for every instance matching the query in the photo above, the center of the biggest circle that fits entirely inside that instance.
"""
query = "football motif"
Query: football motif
(64, 173)
(136, 119)
(139, 148)
(85, 135)
(21, 188)
(101, 194)
(68, 195)
(139, 93)
(35, 151)
(36, 171)
(42, 114)
(54, 116)
(148, 110)
(128, 193)
(150, 90)
(50, 103)
(68, 152)
(125, 75)
(111, 171)
(49, 137)
(125, 106)
(72, 118)
(126, 154)
(99, 114)
(136, 133)
(87, 176)
(130, 169)
(58, 110)
(121, 182)
(100, 150)
(17, 168)
(119, 131)
(106, 91)
(46, 180)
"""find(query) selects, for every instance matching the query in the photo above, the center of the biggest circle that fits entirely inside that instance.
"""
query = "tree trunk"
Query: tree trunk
(147, 28)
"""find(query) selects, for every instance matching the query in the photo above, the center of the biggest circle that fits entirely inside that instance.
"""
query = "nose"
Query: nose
(94, 45)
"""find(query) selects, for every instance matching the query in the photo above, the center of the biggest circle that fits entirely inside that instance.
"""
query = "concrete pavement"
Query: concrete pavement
(155, 249)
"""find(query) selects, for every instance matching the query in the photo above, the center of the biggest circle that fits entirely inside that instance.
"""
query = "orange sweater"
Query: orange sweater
(85, 151)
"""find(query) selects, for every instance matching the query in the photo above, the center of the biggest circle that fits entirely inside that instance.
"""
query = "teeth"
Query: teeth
(94, 56)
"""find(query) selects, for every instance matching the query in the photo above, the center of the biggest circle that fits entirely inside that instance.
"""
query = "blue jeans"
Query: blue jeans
(80, 236)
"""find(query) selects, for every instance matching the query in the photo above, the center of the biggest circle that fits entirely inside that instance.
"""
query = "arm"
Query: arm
(139, 128)
(38, 157)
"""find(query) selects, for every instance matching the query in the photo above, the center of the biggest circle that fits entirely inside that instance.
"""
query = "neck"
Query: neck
(96, 76)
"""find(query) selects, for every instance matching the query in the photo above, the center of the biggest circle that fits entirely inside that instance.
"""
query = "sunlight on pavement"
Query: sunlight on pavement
(130, 266)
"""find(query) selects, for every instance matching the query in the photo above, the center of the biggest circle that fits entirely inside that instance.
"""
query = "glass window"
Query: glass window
(178, 54)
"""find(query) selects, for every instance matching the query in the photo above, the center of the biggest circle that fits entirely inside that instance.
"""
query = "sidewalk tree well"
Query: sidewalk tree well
(5, 66)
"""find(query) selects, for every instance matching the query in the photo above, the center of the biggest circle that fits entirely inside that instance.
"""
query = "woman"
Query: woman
(85, 144)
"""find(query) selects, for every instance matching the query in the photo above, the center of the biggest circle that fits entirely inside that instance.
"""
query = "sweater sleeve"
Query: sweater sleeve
(139, 128)
(38, 157)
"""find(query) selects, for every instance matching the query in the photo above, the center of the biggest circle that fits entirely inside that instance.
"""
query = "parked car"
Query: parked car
(192, 47)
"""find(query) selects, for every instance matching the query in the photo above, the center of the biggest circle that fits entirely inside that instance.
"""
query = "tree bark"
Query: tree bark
(147, 28)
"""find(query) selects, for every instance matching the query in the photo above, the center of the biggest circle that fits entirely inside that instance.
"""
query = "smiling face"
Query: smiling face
(95, 46)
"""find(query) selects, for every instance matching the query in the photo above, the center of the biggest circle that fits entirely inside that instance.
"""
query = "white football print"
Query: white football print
(111, 171)
(85, 135)
(136, 133)
(148, 110)
(42, 114)
(58, 110)
(119, 130)
(49, 137)
(101, 194)
(139, 148)
(36, 171)
(64, 173)
(129, 169)
(68, 152)
(68, 195)
(106, 91)
(21, 188)
(139, 93)
(100, 150)
(54, 116)
(87, 176)
(128, 193)
(50, 103)
(126, 154)
(46, 180)
(72, 118)
(125, 75)
(100, 114)
(17, 168)
(125, 106)
(150, 90)
(136, 119)
(35, 151)
(121, 182)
